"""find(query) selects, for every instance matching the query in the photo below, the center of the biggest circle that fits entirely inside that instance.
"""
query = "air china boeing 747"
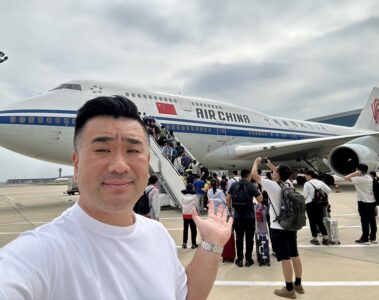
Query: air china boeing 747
(221, 135)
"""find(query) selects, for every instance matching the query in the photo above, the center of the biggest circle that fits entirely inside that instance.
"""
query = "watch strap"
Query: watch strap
(211, 247)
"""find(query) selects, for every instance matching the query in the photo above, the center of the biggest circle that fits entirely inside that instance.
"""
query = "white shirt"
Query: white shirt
(363, 185)
(309, 190)
(230, 182)
(78, 257)
(275, 194)
(154, 202)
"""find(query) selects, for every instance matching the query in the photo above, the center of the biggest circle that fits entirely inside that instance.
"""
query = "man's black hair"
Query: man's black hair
(153, 179)
(112, 106)
(245, 173)
(284, 172)
(363, 168)
(311, 173)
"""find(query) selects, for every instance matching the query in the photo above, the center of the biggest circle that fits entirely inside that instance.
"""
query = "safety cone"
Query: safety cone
(337, 188)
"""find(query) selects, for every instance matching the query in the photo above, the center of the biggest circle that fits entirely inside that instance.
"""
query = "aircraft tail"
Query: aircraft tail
(369, 117)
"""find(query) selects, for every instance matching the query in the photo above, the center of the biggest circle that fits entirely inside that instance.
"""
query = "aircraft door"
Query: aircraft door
(221, 132)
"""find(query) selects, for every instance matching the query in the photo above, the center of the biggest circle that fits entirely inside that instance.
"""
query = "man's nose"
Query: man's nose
(119, 163)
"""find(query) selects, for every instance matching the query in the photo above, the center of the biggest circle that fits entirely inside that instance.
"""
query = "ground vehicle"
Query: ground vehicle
(72, 187)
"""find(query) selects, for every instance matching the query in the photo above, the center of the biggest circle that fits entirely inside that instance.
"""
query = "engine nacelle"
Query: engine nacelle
(344, 159)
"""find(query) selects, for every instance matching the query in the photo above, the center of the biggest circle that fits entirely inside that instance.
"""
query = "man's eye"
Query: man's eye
(133, 151)
(101, 150)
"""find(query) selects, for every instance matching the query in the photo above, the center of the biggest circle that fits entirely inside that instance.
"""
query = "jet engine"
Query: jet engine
(345, 158)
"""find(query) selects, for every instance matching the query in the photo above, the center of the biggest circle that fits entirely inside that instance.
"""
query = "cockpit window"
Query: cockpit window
(68, 86)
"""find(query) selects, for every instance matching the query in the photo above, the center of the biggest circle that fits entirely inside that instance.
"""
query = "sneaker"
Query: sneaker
(362, 242)
(184, 246)
(283, 292)
(314, 242)
(325, 242)
(239, 262)
(299, 288)
(373, 241)
(194, 246)
(249, 262)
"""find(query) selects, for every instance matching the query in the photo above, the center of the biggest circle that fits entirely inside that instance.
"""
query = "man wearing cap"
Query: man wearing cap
(363, 183)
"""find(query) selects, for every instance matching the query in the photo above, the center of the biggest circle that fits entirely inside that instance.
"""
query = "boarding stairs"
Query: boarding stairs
(170, 180)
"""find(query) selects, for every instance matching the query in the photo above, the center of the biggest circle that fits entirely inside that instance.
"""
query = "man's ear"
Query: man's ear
(75, 162)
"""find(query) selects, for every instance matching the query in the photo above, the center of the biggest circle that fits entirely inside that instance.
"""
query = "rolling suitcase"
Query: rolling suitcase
(331, 226)
(229, 253)
(262, 249)
(261, 236)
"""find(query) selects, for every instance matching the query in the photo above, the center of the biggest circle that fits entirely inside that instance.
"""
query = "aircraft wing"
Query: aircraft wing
(296, 149)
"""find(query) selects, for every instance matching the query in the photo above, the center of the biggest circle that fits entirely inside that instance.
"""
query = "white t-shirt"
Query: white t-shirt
(275, 194)
(309, 190)
(230, 182)
(363, 185)
(78, 257)
(154, 202)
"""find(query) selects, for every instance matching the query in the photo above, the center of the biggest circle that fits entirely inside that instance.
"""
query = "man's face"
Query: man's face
(111, 166)
(275, 175)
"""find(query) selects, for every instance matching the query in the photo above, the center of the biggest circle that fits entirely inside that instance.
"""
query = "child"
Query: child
(189, 201)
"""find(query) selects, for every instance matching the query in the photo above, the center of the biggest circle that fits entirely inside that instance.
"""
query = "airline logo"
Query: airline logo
(375, 110)
(166, 108)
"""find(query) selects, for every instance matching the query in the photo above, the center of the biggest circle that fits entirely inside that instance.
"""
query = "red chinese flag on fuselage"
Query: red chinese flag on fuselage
(166, 108)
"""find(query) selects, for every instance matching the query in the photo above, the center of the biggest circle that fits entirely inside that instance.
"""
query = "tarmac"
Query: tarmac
(345, 271)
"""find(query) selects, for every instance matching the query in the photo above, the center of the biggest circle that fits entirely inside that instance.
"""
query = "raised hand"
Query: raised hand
(215, 229)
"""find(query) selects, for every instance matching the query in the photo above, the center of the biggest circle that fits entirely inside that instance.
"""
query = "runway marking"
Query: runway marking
(304, 283)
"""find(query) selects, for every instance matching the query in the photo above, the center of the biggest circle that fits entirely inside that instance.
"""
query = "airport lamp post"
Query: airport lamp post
(3, 57)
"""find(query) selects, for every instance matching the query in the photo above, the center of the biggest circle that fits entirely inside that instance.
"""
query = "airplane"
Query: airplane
(222, 136)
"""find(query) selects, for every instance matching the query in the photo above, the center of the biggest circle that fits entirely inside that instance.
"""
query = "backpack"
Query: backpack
(292, 209)
(240, 197)
(142, 206)
(320, 197)
(375, 185)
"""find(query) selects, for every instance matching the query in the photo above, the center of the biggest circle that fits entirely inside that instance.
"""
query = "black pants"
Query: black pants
(368, 221)
(191, 223)
(244, 228)
(315, 216)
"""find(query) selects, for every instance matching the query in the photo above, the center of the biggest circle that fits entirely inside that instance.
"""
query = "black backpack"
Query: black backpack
(292, 209)
(320, 197)
(142, 206)
(240, 196)
(375, 185)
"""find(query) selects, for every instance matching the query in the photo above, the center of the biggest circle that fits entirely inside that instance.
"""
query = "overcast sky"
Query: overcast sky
(298, 59)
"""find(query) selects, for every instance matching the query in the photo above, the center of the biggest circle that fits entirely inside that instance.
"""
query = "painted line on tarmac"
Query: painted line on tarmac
(304, 283)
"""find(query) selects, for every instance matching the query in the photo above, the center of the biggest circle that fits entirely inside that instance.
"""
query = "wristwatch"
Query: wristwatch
(210, 247)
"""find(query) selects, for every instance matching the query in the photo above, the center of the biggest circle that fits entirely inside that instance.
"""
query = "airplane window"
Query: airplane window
(165, 99)
(31, 120)
(49, 120)
(139, 95)
(66, 120)
(22, 119)
(144, 96)
(201, 129)
(73, 121)
(12, 119)
(155, 97)
(160, 98)
(150, 97)
(127, 94)
(192, 128)
(170, 100)
(40, 120)
(193, 103)
(133, 95)
(201, 104)
(57, 120)
(175, 101)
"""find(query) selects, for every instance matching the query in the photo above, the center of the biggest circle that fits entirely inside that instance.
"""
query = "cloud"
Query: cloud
(298, 59)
